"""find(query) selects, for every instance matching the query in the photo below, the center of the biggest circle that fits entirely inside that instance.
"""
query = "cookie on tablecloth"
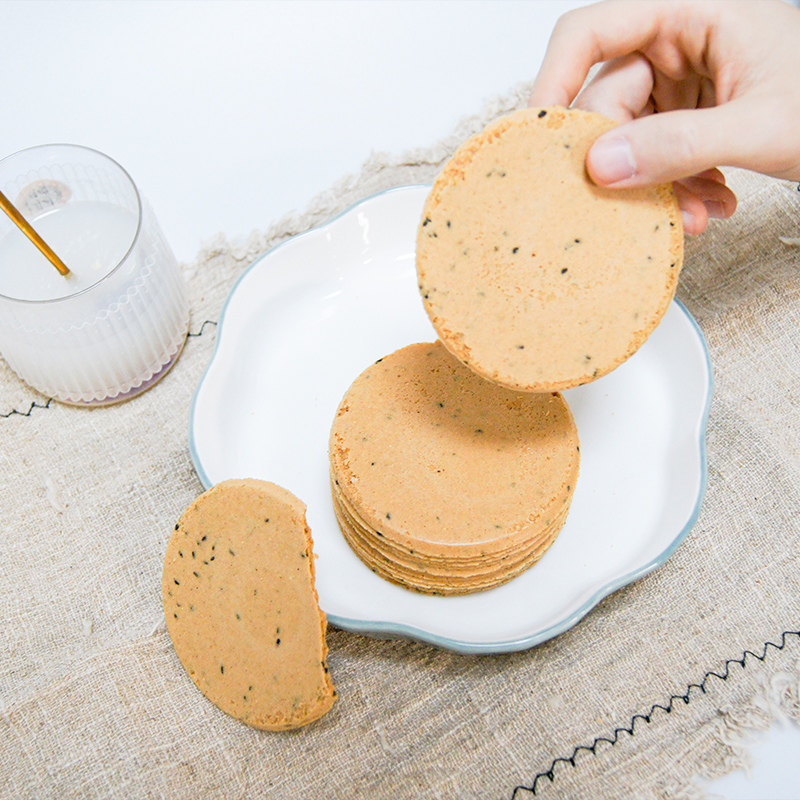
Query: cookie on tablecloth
(444, 482)
(241, 605)
(533, 276)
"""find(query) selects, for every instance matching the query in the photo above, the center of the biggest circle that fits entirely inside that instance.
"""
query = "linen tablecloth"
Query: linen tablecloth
(656, 686)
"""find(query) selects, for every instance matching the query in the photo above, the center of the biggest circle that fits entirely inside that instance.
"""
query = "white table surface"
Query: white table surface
(229, 115)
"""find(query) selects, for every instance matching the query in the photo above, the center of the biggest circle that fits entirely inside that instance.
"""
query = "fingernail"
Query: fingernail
(715, 209)
(687, 219)
(612, 160)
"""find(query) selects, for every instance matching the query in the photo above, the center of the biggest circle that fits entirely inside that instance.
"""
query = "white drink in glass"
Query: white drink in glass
(90, 238)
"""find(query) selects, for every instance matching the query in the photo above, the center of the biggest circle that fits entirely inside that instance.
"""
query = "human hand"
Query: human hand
(728, 74)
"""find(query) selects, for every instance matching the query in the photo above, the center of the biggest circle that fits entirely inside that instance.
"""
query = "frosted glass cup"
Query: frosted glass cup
(118, 323)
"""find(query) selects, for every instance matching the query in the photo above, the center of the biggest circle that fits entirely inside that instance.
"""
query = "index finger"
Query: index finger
(587, 36)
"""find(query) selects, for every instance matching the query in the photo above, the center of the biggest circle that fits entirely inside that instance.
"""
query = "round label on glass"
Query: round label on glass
(41, 196)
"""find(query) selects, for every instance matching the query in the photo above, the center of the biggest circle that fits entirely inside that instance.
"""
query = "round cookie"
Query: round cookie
(533, 276)
(241, 606)
(445, 482)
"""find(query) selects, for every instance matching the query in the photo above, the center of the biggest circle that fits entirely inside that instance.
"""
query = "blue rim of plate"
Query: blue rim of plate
(389, 630)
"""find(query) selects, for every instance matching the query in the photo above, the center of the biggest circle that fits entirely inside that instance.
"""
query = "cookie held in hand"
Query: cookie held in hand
(533, 276)
(241, 605)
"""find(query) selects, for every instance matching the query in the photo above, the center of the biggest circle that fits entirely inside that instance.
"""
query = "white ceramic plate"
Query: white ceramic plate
(307, 317)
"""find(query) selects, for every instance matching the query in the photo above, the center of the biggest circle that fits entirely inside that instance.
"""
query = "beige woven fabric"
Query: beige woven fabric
(629, 703)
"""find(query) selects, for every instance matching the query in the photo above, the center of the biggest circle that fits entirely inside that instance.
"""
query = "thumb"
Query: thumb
(667, 146)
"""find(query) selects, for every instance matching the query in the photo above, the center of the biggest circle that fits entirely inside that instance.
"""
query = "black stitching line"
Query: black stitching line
(549, 773)
(27, 413)
(48, 404)
(202, 328)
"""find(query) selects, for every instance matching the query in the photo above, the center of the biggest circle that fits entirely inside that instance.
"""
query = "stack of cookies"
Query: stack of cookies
(453, 463)
(447, 483)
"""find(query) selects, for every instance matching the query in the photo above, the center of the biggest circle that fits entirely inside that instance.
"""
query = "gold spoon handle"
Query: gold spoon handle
(26, 228)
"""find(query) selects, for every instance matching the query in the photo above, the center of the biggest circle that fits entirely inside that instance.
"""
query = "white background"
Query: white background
(229, 115)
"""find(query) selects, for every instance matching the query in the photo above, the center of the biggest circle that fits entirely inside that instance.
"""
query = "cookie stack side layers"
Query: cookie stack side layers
(533, 276)
(444, 482)
(241, 605)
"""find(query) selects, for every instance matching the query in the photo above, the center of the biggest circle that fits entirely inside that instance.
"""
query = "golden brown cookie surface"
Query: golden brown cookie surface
(241, 606)
(533, 276)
